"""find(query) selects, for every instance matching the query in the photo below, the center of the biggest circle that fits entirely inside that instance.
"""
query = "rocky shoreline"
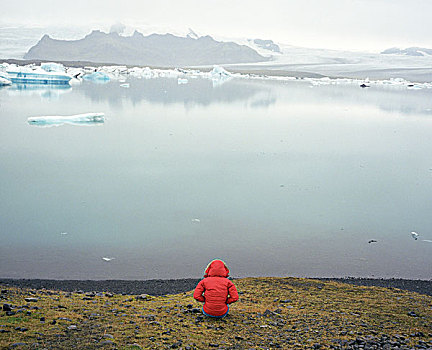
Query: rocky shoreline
(151, 287)
(174, 286)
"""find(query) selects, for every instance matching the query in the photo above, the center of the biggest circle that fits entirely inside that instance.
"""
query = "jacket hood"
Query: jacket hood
(216, 268)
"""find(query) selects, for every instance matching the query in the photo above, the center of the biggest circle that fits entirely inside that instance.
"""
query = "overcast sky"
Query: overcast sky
(342, 24)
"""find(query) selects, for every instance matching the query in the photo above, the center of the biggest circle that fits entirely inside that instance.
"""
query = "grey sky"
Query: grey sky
(342, 24)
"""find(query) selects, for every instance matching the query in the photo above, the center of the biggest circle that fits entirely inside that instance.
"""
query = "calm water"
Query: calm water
(285, 179)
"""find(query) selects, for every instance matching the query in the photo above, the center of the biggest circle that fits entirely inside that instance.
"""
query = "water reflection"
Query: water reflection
(166, 91)
(45, 91)
(258, 94)
(387, 98)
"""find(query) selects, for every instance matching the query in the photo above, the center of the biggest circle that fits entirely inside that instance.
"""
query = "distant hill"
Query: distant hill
(410, 51)
(154, 50)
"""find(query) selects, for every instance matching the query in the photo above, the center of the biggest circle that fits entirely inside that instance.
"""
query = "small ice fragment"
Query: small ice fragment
(126, 85)
(78, 119)
(196, 220)
(63, 233)
(182, 81)
(414, 235)
(427, 240)
(107, 259)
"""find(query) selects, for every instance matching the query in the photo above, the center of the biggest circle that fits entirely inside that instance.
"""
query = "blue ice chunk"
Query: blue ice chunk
(97, 77)
(25, 75)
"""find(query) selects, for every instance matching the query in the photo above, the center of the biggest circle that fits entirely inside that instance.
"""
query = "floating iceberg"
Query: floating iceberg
(125, 85)
(4, 81)
(78, 119)
(219, 72)
(97, 77)
(25, 75)
(52, 67)
(182, 81)
(219, 75)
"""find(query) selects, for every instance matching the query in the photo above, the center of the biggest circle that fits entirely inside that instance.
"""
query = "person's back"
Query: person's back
(218, 290)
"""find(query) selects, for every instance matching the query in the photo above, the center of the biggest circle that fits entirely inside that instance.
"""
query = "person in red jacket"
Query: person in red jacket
(216, 290)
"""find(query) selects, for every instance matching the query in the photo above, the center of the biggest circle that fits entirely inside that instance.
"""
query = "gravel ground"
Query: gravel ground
(162, 287)
(152, 287)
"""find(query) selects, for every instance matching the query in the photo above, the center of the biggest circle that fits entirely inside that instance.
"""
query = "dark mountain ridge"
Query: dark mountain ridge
(154, 50)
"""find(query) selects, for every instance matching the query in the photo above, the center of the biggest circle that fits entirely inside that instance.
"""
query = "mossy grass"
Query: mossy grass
(272, 313)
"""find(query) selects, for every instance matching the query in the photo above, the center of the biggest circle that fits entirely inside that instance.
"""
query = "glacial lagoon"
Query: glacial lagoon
(276, 178)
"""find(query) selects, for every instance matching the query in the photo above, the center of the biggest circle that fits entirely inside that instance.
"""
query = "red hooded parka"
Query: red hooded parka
(217, 288)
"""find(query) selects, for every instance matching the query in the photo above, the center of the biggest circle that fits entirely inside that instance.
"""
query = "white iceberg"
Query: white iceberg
(52, 67)
(182, 81)
(4, 81)
(78, 119)
(219, 72)
(219, 75)
(145, 72)
(77, 73)
(125, 85)
(75, 81)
